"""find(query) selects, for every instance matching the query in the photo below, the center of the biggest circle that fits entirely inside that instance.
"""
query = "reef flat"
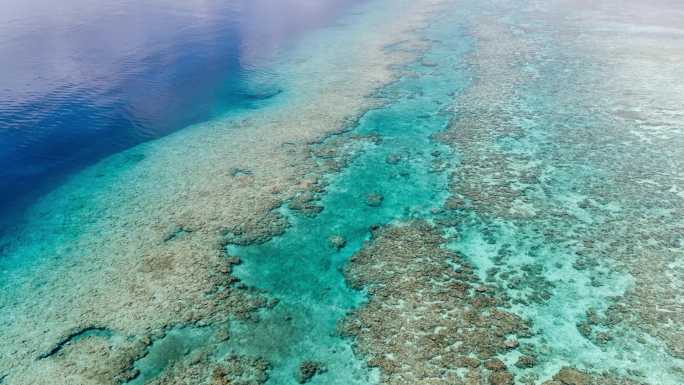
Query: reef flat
(445, 192)
(546, 203)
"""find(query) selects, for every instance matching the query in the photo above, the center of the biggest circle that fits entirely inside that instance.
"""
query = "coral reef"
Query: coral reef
(308, 369)
(426, 321)
(201, 370)
(539, 242)
(374, 199)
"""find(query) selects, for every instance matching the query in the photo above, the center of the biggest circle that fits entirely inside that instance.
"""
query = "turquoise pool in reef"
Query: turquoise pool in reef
(381, 192)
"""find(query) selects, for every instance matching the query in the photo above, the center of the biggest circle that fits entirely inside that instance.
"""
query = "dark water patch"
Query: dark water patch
(92, 331)
(237, 172)
(175, 345)
(175, 232)
(266, 94)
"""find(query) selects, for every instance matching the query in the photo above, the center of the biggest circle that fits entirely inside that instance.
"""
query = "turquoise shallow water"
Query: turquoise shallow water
(303, 271)
(395, 157)
(553, 205)
(550, 199)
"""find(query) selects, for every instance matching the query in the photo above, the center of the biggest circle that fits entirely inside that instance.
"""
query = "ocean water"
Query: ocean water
(81, 81)
(517, 129)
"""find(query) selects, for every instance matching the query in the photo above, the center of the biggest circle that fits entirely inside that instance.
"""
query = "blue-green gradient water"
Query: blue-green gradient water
(80, 80)
(549, 166)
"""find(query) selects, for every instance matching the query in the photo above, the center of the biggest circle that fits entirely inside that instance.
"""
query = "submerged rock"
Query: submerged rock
(603, 338)
(453, 203)
(237, 172)
(222, 335)
(393, 159)
(309, 369)
(469, 362)
(511, 343)
(233, 260)
(337, 241)
(305, 203)
(525, 362)
(570, 376)
(174, 232)
(218, 377)
(374, 199)
(501, 378)
(495, 365)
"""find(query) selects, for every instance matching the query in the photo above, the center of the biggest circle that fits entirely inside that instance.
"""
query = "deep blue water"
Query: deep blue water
(81, 80)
